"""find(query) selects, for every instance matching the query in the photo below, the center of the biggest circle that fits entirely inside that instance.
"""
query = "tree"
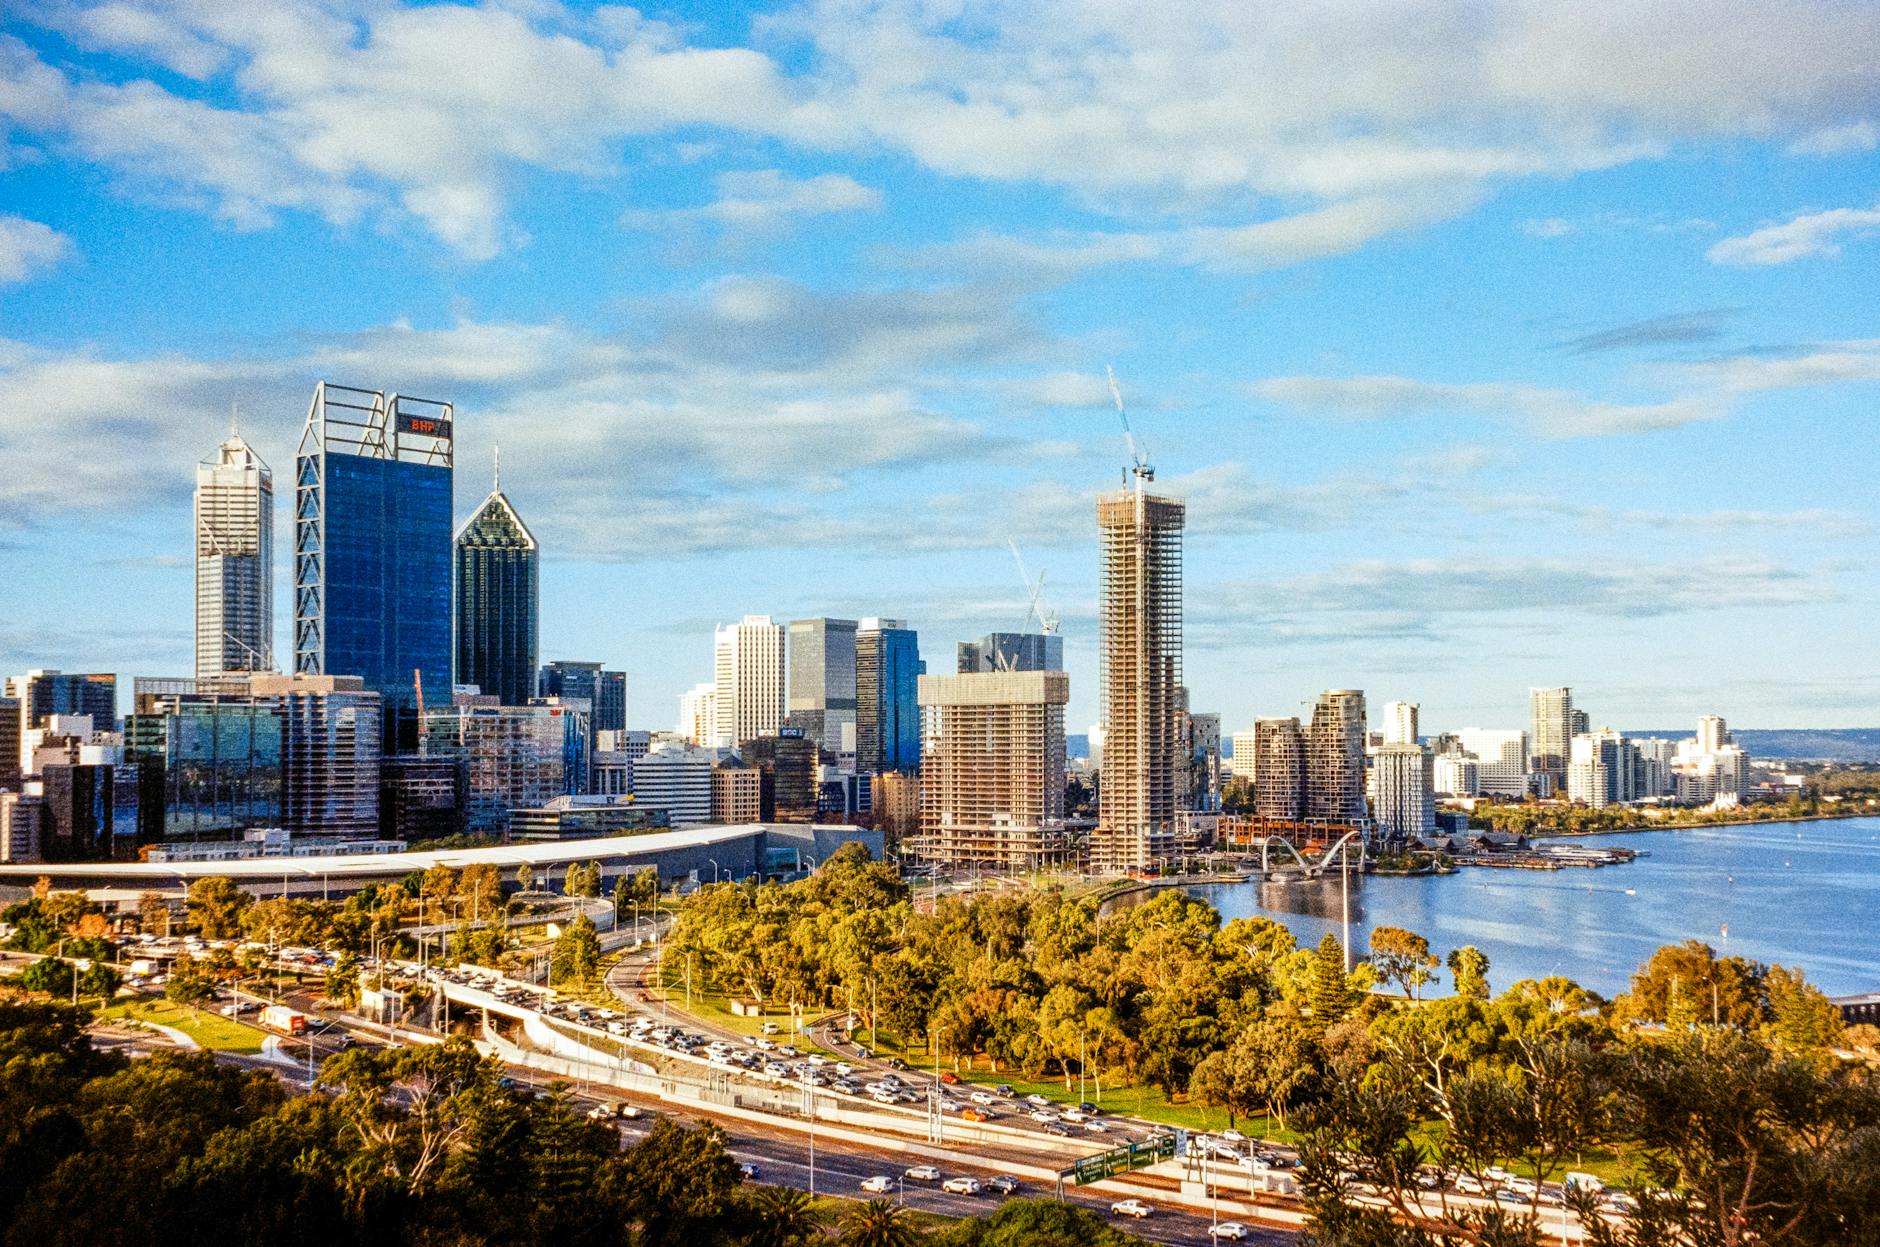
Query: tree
(877, 1223)
(1329, 995)
(1468, 966)
(785, 1216)
(1801, 1017)
(1402, 957)
(1035, 1223)
(584, 880)
(525, 877)
(189, 986)
(480, 890)
(215, 906)
(577, 954)
(678, 1183)
(342, 981)
(1683, 984)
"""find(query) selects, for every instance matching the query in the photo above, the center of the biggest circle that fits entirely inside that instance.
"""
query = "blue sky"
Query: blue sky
(1491, 344)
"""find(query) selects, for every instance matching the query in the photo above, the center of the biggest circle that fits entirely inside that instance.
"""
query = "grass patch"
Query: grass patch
(213, 1031)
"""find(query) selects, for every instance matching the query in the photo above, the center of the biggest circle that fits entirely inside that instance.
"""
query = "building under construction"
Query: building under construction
(992, 769)
(1141, 667)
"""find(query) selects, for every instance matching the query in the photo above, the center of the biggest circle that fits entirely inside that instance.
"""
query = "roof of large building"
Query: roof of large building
(342, 865)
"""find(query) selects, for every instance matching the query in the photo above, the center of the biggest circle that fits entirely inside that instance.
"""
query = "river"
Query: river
(1794, 894)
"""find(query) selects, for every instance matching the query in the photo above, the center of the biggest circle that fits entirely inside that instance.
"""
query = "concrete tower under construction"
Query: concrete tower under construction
(1141, 667)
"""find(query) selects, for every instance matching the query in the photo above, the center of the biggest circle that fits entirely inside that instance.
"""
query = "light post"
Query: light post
(715, 868)
(809, 1110)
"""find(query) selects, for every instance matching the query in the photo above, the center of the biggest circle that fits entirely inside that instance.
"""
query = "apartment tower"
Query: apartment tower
(1335, 758)
(1551, 723)
(992, 768)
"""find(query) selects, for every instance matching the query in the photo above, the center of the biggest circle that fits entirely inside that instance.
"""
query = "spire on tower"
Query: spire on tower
(234, 420)
(496, 483)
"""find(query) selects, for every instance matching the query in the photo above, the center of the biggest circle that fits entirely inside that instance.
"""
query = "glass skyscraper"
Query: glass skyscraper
(372, 547)
(234, 561)
(887, 696)
(498, 601)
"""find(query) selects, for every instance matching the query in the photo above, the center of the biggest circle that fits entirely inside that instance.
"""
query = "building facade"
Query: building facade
(1012, 651)
(1140, 664)
(372, 548)
(1405, 783)
(887, 697)
(992, 768)
(822, 681)
(787, 763)
(1335, 758)
(234, 561)
(1551, 728)
(1279, 769)
(610, 702)
(678, 780)
(39, 695)
(749, 683)
(698, 714)
(737, 793)
(498, 570)
(1400, 723)
(422, 798)
(1501, 758)
(514, 757)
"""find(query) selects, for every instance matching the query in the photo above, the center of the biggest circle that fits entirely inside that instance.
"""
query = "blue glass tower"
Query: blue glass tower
(372, 547)
(887, 703)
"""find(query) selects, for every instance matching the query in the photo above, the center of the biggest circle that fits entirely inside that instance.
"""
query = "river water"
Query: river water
(1794, 894)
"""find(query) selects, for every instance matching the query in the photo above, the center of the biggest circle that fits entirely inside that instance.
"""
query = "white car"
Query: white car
(922, 1173)
(1094, 1127)
(1130, 1208)
(1039, 1115)
(980, 1097)
(961, 1186)
(600, 1112)
(880, 1184)
(1229, 1229)
(1233, 1136)
(1039, 1100)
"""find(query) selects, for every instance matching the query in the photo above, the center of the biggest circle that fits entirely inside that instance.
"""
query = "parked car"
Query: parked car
(880, 1184)
(1130, 1208)
(922, 1173)
(961, 1186)
(631, 1112)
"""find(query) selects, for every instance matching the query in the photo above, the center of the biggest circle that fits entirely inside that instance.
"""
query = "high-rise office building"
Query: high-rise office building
(570, 680)
(749, 668)
(787, 763)
(1404, 779)
(1551, 724)
(10, 738)
(42, 694)
(514, 757)
(89, 812)
(677, 779)
(1141, 669)
(887, 696)
(610, 702)
(1013, 651)
(698, 714)
(212, 765)
(421, 798)
(330, 755)
(498, 601)
(992, 768)
(1335, 758)
(234, 561)
(372, 548)
(737, 793)
(822, 681)
(1400, 723)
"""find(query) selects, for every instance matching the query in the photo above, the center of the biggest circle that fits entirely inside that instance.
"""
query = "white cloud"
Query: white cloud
(1548, 412)
(1547, 227)
(1829, 363)
(1810, 234)
(1856, 136)
(28, 248)
(761, 199)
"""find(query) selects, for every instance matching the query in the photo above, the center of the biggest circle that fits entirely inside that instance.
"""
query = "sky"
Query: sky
(1490, 344)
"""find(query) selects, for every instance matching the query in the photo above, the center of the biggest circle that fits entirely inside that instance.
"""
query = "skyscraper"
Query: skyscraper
(1141, 670)
(610, 702)
(992, 767)
(887, 696)
(1550, 711)
(1279, 774)
(748, 663)
(571, 680)
(822, 681)
(1406, 791)
(372, 547)
(234, 561)
(1013, 651)
(698, 714)
(1502, 758)
(42, 694)
(1335, 758)
(1400, 723)
(498, 582)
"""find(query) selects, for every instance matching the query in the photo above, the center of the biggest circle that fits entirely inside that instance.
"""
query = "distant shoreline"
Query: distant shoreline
(1735, 822)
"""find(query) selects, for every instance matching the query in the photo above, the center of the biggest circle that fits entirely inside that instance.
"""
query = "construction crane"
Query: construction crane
(1139, 464)
(1047, 622)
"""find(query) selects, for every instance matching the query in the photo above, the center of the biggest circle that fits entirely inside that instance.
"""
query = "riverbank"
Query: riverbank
(1704, 826)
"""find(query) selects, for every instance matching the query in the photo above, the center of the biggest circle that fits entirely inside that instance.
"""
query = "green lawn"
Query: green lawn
(210, 1029)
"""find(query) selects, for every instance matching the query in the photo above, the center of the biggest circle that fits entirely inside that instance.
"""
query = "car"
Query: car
(631, 1112)
(1038, 1100)
(1506, 1196)
(1094, 1127)
(765, 1044)
(600, 1112)
(1233, 1136)
(770, 1028)
(1130, 1208)
(817, 1058)
(961, 1186)
(921, 1173)
(980, 1097)
(1039, 1115)
(1057, 1128)
(844, 1068)
(1074, 1115)
(787, 1050)
(880, 1184)
(747, 1171)
(895, 1062)
(950, 1078)
(1090, 1108)
(1228, 1229)
(970, 1113)
(1002, 1184)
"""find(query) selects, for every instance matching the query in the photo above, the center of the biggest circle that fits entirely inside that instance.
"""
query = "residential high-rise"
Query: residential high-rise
(1013, 651)
(1710, 766)
(21, 816)
(11, 735)
(498, 601)
(992, 768)
(330, 753)
(234, 561)
(887, 696)
(822, 681)
(1457, 775)
(1335, 758)
(1400, 723)
(1404, 779)
(1502, 758)
(1141, 674)
(749, 667)
(1603, 768)
(1279, 775)
(1199, 774)
(1550, 711)
(372, 548)
(421, 798)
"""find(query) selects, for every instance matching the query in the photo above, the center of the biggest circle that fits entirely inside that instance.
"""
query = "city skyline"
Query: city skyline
(1564, 403)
